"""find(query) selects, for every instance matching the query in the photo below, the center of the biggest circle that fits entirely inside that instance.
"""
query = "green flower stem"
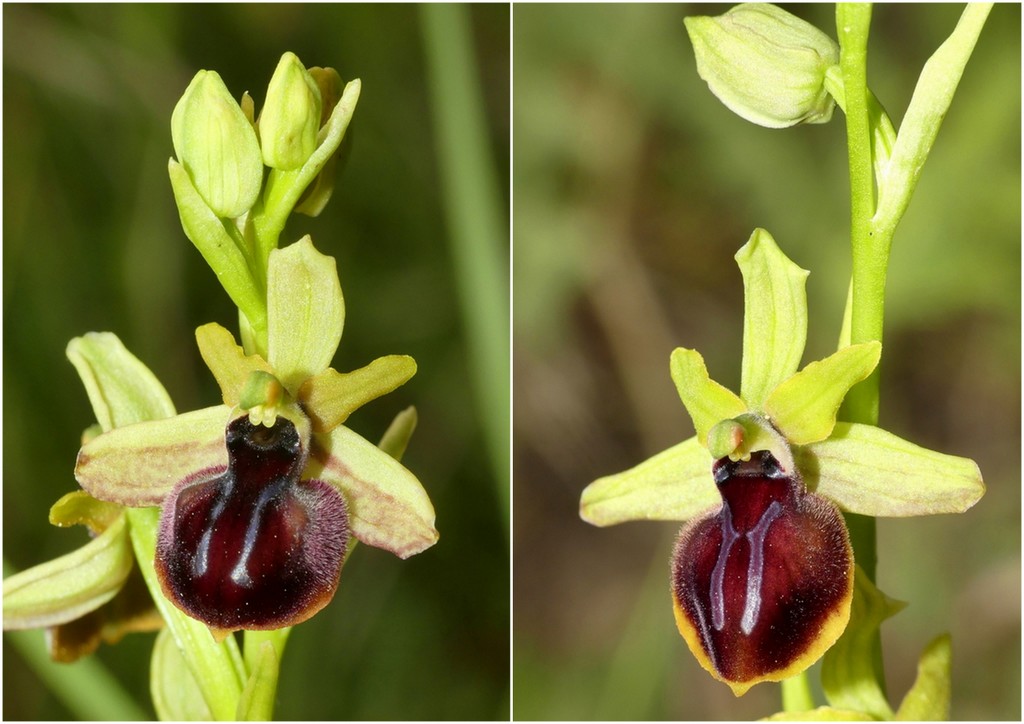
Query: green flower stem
(870, 250)
(253, 639)
(796, 693)
(217, 667)
(474, 220)
(870, 262)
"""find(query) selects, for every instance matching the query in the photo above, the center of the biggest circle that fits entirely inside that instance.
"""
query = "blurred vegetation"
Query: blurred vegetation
(92, 242)
(634, 187)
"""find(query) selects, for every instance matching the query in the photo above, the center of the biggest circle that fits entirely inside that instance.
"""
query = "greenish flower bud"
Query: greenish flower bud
(316, 196)
(765, 65)
(291, 116)
(217, 146)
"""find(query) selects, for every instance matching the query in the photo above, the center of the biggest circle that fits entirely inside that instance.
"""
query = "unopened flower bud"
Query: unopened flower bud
(291, 116)
(217, 146)
(765, 65)
(316, 196)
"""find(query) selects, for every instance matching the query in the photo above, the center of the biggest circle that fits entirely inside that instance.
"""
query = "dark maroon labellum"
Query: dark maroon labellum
(762, 587)
(252, 546)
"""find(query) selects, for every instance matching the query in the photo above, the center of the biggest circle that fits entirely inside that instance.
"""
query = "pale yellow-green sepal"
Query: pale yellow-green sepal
(305, 312)
(330, 396)
(139, 464)
(121, 389)
(70, 586)
(804, 406)
(388, 507)
(774, 316)
(675, 484)
(870, 471)
(707, 401)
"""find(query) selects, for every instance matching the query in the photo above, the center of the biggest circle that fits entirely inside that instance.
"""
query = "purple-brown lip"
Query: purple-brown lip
(762, 586)
(252, 546)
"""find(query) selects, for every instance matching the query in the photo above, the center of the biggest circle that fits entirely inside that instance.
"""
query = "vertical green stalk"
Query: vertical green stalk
(475, 221)
(870, 262)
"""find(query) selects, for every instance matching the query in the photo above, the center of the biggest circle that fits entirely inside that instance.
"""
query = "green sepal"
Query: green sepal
(387, 506)
(707, 401)
(121, 389)
(230, 366)
(928, 699)
(305, 312)
(675, 484)
(804, 407)
(870, 471)
(774, 317)
(219, 248)
(330, 396)
(72, 585)
(138, 465)
(847, 672)
(175, 691)
(257, 700)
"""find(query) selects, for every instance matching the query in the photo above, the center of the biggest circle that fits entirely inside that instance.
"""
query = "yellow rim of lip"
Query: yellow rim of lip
(831, 630)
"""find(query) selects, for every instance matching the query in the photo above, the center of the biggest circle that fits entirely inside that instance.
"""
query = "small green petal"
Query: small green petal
(227, 361)
(330, 397)
(928, 698)
(675, 484)
(707, 401)
(305, 312)
(121, 389)
(804, 407)
(176, 694)
(387, 505)
(257, 700)
(774, 316)
(847, 672)
(870, 471)
(70, 586)
(80, 508)
(139, 464)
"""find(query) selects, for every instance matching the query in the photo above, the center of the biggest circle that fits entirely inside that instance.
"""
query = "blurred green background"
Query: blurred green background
(634, 187)
(92, 242)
